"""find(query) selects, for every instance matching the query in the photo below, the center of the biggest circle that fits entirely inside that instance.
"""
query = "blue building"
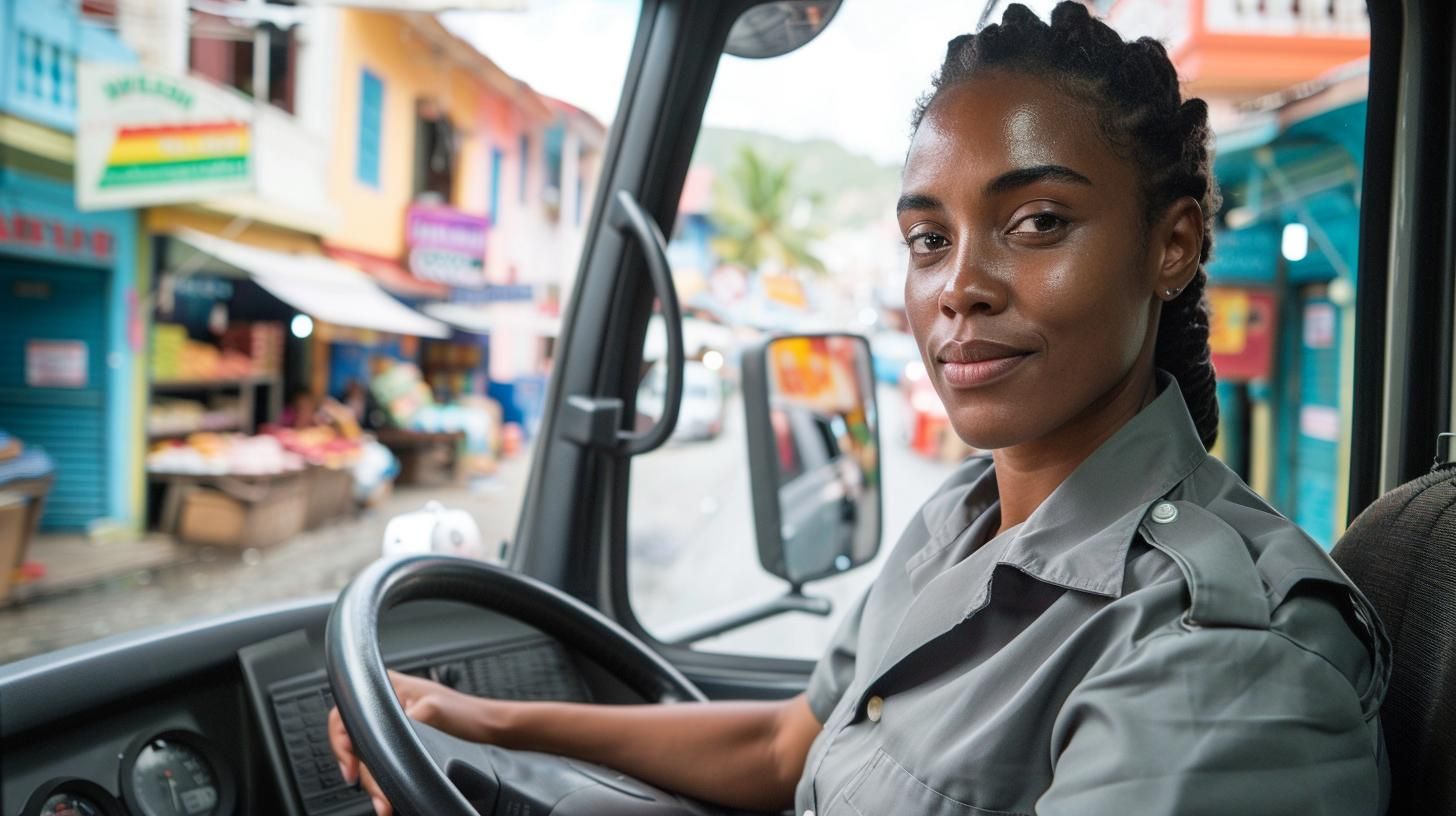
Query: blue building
(1286, 242)
(71, 323)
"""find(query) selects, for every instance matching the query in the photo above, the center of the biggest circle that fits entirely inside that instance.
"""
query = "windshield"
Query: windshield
(274, 276)
(309, 279)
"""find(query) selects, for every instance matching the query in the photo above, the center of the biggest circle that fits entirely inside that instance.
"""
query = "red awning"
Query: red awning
(388, 273)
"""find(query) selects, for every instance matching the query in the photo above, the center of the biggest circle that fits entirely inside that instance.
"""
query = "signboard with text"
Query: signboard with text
(56, 364)
(54, 238)
(446, 246)
(147, 137)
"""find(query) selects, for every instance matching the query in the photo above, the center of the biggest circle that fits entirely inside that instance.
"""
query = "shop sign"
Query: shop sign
(1241, 332)
(54, 237)
(495, 293)
(146, 137)
(1320, 422)
(446, 246)
(785, 290)
(56, 364)
(1319, 325)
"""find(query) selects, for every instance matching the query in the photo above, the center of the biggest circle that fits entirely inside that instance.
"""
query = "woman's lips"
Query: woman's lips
(981, 372)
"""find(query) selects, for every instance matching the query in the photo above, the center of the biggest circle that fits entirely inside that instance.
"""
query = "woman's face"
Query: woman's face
(1032, 281)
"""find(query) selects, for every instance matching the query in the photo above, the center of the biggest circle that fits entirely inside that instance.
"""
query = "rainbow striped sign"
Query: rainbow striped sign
(146, 137)
(207, 151)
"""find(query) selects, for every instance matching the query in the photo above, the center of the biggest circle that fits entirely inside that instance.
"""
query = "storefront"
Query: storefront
(245, 318)
(70, 331)
(1282, 288)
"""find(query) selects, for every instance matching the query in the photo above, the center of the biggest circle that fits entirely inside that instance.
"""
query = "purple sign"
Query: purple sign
(446, 246)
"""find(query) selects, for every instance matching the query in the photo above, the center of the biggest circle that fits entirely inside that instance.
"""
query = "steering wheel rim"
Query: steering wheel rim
(383, 736)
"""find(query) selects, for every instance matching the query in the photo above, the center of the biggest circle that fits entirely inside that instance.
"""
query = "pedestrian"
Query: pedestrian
(1097, 616)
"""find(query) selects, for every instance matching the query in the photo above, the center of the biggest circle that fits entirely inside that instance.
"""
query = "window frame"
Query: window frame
(371, 175)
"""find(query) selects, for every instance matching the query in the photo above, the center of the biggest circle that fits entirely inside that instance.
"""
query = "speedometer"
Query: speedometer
(69, 796)
(176, 773)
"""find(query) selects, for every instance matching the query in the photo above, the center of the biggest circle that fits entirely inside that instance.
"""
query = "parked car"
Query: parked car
(701, 414)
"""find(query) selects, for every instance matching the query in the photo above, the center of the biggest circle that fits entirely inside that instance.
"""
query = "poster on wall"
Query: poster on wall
(56, 364)
(146, 137)
(1241, 332)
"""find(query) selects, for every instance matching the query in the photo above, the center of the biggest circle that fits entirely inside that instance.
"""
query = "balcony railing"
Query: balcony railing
(40, 43)
(1287, 18)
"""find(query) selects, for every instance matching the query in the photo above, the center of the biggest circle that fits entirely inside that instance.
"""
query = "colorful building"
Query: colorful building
(72, 283)
(463, 191)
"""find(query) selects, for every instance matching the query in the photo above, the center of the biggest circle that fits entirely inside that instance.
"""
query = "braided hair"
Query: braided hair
(1133, 87)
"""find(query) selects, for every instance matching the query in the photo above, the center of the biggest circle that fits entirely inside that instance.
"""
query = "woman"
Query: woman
(1098, 617)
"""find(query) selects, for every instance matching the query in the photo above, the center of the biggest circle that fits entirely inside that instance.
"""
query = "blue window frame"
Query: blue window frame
(525, 153)
(497, 162)
(580, 191)
(371, 125)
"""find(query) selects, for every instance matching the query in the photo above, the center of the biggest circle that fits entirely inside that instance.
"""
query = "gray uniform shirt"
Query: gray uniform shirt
(1154, 639)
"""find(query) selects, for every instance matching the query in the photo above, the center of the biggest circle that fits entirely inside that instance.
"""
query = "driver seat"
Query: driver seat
(1401, 552)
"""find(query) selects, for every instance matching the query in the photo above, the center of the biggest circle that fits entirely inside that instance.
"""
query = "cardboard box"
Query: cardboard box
(243, 514)
(14, 532)
(330, 495)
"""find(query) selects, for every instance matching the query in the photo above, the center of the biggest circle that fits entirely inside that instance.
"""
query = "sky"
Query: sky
(855, 84)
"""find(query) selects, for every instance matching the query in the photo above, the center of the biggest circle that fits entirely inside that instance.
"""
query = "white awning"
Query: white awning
(320, 287)
(484, 318)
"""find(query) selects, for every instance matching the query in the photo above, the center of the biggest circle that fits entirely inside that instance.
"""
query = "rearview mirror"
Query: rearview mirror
(814, 454)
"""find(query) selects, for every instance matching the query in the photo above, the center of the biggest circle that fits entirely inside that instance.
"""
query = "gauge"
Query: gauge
(69, 796)
(176, 773)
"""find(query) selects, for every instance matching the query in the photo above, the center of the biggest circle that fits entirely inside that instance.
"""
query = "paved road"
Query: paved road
(693, 554)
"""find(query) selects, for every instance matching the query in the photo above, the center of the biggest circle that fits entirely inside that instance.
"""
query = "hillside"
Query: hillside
(848, 189)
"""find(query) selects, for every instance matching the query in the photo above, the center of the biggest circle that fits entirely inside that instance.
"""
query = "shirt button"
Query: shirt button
(874, 709)
(1164, 513)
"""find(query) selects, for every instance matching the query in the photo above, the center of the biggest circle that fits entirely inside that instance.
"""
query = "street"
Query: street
(693, 553)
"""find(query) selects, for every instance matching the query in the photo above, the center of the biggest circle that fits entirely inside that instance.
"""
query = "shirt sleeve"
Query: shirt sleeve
(835, 670)
(1215, 721)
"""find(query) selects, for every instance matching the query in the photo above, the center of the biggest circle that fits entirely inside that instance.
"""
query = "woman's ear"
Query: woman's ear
(1179, 236)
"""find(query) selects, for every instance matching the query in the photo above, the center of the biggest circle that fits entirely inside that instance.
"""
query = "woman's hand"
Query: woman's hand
(431, 703)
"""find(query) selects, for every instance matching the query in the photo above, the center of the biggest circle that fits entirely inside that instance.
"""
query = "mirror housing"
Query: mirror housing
(775, 28)
(813, 454)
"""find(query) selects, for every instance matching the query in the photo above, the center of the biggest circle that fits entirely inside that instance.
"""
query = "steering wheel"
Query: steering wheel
(428, 772)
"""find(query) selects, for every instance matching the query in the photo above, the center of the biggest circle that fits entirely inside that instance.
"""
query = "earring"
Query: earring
(1171, 292)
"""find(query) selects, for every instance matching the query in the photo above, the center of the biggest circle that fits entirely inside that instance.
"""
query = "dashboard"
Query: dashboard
(229, 717)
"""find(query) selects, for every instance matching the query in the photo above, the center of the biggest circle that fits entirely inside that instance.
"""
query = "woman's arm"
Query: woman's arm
(739, 754)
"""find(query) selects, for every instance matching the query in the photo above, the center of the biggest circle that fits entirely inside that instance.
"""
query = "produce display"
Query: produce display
(210, 454)
(321, 445)
(176, 417)
(249, 350)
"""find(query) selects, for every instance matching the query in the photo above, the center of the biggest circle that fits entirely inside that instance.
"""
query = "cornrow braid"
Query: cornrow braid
(1133, 87)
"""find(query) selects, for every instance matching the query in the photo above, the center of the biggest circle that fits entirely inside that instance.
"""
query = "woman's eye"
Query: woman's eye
(1040, 223)
(923, 242)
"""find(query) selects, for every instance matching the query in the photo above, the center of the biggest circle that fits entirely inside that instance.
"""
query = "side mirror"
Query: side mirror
(814, 454)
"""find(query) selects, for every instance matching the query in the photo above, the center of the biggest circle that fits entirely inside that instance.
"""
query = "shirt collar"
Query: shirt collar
(1080, 535)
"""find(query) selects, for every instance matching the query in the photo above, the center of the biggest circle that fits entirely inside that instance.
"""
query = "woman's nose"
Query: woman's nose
(972, 287)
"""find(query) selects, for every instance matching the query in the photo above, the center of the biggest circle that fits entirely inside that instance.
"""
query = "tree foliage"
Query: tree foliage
(753, 213)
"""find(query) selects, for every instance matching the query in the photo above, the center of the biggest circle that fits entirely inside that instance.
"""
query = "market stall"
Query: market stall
(26, 476)
(240, 490)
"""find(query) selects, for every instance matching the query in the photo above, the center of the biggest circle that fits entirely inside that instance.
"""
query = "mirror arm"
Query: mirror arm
(792, 601)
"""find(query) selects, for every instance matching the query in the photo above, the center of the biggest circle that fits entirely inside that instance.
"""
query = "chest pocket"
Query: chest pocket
(884, 787)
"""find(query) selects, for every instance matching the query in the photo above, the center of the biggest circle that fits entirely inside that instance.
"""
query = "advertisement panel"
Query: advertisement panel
(446, 246)
(145, 137)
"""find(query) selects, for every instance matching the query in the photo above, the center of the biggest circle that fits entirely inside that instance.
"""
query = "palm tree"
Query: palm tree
(752, 214)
